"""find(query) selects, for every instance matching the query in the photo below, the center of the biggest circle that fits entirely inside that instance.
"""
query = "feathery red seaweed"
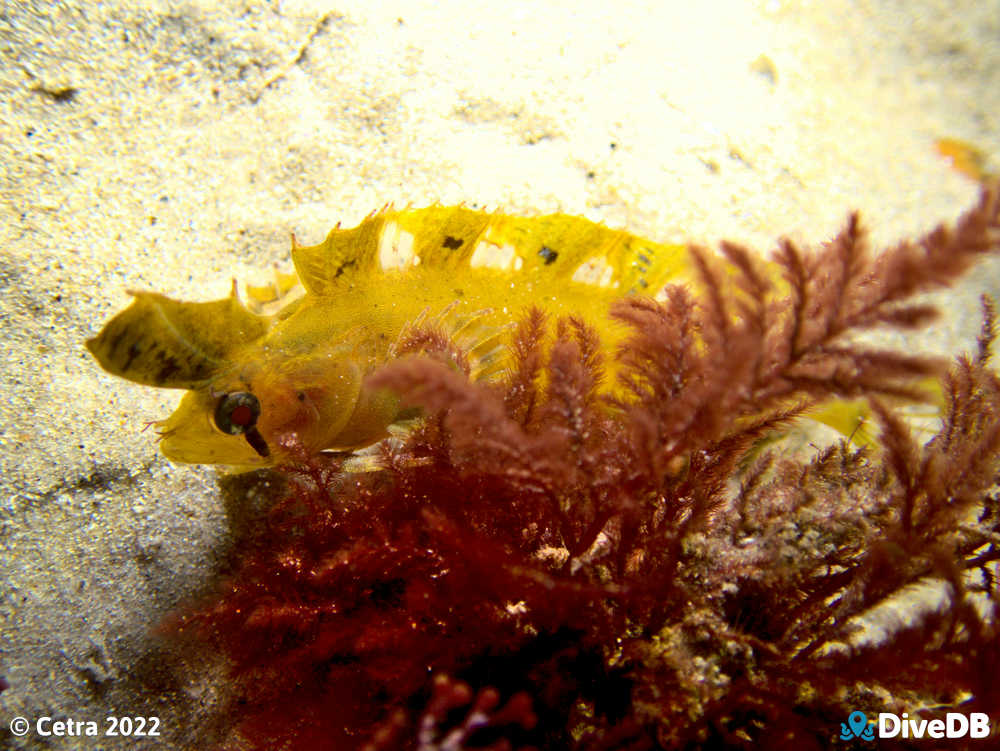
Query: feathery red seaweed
(540, 565)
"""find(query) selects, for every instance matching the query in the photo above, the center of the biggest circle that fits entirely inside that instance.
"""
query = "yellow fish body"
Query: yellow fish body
(261, 389)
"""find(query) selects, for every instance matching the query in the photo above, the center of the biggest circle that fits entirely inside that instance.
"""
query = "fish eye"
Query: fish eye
(237, 412)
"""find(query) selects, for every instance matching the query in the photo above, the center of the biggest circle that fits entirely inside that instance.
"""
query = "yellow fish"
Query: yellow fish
(263, 389)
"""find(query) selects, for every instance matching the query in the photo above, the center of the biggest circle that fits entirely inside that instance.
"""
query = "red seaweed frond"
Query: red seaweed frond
(481, 727)
(638, 564)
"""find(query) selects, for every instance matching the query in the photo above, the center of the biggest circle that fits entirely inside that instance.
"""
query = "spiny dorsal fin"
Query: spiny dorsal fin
(557, 246)
(267, 299)
(573, 248)
(329, 266)
(444, 236)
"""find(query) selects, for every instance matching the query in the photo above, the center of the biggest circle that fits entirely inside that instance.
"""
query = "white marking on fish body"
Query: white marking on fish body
(493, 256)
(596, 271)
(395, 248)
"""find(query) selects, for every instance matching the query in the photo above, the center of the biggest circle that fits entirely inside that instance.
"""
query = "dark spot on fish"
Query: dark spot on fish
(345, 265)
(301, 396)
(547, 254)
(452, 243)
(169, 367)
(644, 259)
(202, 371)
(133, 352)
(115, 340)
(643, 283)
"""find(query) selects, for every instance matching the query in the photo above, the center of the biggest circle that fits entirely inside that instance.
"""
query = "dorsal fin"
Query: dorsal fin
(573, 248)
(557, 246)
(345, 254)
(444, 236)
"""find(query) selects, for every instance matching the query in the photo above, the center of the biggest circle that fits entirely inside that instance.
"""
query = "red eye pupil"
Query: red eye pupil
(242, 415)
(237, 413)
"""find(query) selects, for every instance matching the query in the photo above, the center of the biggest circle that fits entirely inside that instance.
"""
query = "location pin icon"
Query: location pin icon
(857, 721)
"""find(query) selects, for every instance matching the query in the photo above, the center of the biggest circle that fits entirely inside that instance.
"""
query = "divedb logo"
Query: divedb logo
(889, 725)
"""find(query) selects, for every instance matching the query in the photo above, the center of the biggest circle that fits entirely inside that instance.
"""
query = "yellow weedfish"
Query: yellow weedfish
(261, 388)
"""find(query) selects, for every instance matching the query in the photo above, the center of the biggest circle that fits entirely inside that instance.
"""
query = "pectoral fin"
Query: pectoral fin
(162, 342)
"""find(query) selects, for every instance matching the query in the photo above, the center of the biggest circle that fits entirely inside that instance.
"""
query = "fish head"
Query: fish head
(259, 390)
(265, 411)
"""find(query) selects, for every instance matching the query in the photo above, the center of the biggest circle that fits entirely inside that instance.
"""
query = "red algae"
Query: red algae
(545, 564)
